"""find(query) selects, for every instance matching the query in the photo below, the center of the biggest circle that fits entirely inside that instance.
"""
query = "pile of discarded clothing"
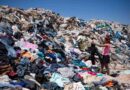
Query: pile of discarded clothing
(41, 50)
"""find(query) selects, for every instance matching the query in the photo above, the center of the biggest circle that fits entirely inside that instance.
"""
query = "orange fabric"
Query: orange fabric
(28, 55)
(109, 84)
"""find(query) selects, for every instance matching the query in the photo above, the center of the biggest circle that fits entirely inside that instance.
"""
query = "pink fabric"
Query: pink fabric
(30, 45)
(106, 50)
(78, 75)
(92, 73)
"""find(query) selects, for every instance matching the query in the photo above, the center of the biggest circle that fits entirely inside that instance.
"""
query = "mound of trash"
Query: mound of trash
(41, 50)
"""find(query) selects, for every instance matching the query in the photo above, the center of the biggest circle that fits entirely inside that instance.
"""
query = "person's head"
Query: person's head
(107, 39)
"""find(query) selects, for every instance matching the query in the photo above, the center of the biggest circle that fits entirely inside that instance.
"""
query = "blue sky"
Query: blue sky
(112, 10)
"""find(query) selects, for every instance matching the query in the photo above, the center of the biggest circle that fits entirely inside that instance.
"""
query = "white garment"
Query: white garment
(4, 78)
(15, 28)
(88, 63)
(74, 86)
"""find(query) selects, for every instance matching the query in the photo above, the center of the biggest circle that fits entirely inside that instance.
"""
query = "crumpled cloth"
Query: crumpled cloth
(59, 80)
(66, 72)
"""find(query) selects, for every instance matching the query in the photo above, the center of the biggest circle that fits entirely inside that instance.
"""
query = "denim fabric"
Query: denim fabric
(118, 35)
(24, 61)
(22, 84)
(23, 67)
(6, 85)
(29, 84)
(51, 55)
(21, 70)
(11, 51)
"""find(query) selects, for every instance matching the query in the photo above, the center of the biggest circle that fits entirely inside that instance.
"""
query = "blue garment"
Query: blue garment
(11, 51)
(79, 63)
(51, 55)
(24, 61)
(21, 70)
(62, 40)
(7, 85)
(18, 83)
(118, 35)
(23, 67)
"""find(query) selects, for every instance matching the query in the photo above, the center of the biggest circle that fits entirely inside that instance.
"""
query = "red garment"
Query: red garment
(11, 73)
(86, 69)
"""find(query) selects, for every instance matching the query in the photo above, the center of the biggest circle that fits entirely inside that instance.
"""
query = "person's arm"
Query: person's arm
(114, 47)
(101, 45)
